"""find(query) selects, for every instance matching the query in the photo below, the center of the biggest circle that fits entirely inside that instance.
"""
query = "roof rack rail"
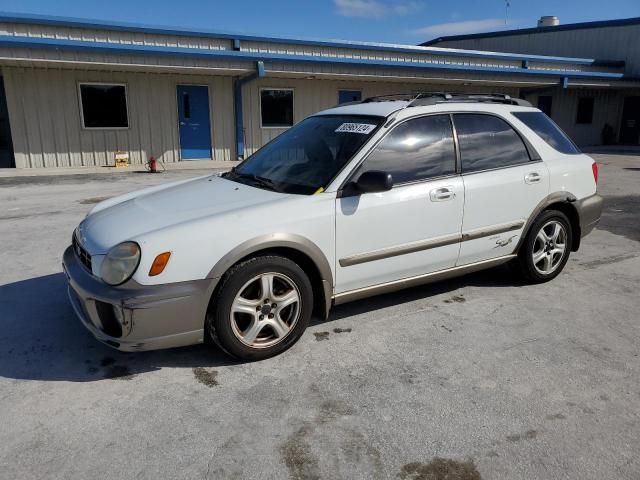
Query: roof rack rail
(433, 98)
(391, 97)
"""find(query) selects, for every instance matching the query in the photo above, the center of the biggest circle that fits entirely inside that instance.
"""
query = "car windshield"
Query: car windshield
(305, 158)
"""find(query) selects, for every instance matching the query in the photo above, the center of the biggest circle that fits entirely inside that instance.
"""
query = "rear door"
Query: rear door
(504, 181)
(412, 229)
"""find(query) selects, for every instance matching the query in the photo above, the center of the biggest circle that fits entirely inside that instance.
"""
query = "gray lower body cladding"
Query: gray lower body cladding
(134, 317)
(589, 212)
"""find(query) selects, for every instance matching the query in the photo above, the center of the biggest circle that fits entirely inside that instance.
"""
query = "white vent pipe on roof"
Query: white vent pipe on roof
(549, 21)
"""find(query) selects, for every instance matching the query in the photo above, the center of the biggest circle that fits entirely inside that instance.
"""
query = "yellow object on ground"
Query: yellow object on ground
(122, 159)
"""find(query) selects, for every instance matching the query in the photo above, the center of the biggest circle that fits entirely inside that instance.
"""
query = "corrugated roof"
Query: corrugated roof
(527, 31)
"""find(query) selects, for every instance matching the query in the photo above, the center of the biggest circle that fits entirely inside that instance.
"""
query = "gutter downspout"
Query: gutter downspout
(238, 83)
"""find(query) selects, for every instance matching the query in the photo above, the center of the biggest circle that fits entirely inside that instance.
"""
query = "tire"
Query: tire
(262, 308)
(546, 248)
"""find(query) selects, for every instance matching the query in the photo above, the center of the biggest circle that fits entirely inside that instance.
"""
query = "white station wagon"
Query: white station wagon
(354, 201)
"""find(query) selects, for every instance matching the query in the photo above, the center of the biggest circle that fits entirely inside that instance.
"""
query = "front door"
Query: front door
(630, 129)
(193, 117)
(412, 229)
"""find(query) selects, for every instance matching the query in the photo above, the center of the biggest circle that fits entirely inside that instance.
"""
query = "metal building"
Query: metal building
(75, 92)
(582, 111)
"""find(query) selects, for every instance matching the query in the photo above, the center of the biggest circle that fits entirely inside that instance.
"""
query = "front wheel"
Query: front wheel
(546, 248)
(262, 308)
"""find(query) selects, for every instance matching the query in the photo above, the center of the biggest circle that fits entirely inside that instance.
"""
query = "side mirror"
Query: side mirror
(373, 181)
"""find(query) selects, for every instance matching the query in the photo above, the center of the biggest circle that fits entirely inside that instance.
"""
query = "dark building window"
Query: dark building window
(186, 105)
(104, 105)
(548, 131)
(415, 150)
(276, 107)
(585, 110)
(346, 96)
(544, 103)
(488, 142)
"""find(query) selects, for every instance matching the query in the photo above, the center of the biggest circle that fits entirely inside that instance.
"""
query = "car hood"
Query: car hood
(125, 218)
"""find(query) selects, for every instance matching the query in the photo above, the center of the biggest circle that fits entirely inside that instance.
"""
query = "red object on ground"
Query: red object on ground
(153, 165)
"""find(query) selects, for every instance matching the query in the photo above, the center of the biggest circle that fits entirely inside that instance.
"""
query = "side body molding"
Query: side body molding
(280, 240)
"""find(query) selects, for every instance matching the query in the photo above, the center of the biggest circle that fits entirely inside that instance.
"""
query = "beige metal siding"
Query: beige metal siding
(46, 128)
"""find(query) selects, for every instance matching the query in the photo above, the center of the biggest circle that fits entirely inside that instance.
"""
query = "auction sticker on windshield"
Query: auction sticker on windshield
(363, 128)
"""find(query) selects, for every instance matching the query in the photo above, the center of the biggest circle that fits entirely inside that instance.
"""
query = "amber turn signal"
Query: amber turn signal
(159, 264)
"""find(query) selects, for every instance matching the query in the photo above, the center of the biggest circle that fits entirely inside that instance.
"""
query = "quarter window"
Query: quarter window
(547, 130)
(104, 105)
(276, 108)
(488, 142)
(585, 111)
(415, 150)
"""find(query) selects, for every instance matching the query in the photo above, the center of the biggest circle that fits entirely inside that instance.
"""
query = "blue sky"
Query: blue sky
(397, 21)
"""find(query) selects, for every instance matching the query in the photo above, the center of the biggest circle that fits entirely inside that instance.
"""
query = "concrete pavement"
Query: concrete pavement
(481, 377)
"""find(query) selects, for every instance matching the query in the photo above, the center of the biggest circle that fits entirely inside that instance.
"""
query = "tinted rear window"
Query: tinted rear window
(548, 131)
(488, 142)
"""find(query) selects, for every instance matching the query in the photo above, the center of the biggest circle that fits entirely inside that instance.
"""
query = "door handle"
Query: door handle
(441, 194)
(533, 177)
(182, 124)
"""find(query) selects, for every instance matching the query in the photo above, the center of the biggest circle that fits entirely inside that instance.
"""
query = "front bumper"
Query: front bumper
(134, 317)
(589, 212)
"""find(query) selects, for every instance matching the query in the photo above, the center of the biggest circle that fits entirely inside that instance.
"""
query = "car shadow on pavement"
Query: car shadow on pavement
(500, 276)
(41, 339)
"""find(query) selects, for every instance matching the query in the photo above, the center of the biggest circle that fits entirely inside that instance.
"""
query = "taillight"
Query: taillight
(594, 169)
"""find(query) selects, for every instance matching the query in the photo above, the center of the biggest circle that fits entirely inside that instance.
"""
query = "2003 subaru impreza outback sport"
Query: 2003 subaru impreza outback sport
(356, 200)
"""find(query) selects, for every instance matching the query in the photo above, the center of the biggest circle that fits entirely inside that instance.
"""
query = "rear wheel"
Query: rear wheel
(262, 308)
(546, 249)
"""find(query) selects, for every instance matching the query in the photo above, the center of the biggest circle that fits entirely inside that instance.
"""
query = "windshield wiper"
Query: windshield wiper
(258, 180)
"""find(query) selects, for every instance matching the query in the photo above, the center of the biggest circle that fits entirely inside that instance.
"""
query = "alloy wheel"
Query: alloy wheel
(549, 247)
(265, 310)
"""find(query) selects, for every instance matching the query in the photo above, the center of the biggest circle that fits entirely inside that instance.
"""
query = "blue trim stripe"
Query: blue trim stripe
(177, 31)
(103, 47)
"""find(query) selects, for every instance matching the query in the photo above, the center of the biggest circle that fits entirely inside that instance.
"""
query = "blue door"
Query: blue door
(195, 129)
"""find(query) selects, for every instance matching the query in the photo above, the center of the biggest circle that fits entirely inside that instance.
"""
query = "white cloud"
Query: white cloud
(462, 28)
(375, 8)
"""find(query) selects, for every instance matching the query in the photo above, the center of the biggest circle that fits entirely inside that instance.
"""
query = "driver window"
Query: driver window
(415, 150)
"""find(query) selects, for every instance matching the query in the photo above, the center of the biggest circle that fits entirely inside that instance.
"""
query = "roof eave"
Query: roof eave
(129, 49)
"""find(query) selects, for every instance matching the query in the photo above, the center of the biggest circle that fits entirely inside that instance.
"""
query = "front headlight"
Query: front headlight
(120, 263)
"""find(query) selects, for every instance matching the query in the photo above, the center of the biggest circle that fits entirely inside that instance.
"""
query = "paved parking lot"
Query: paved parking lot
(480, 377)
